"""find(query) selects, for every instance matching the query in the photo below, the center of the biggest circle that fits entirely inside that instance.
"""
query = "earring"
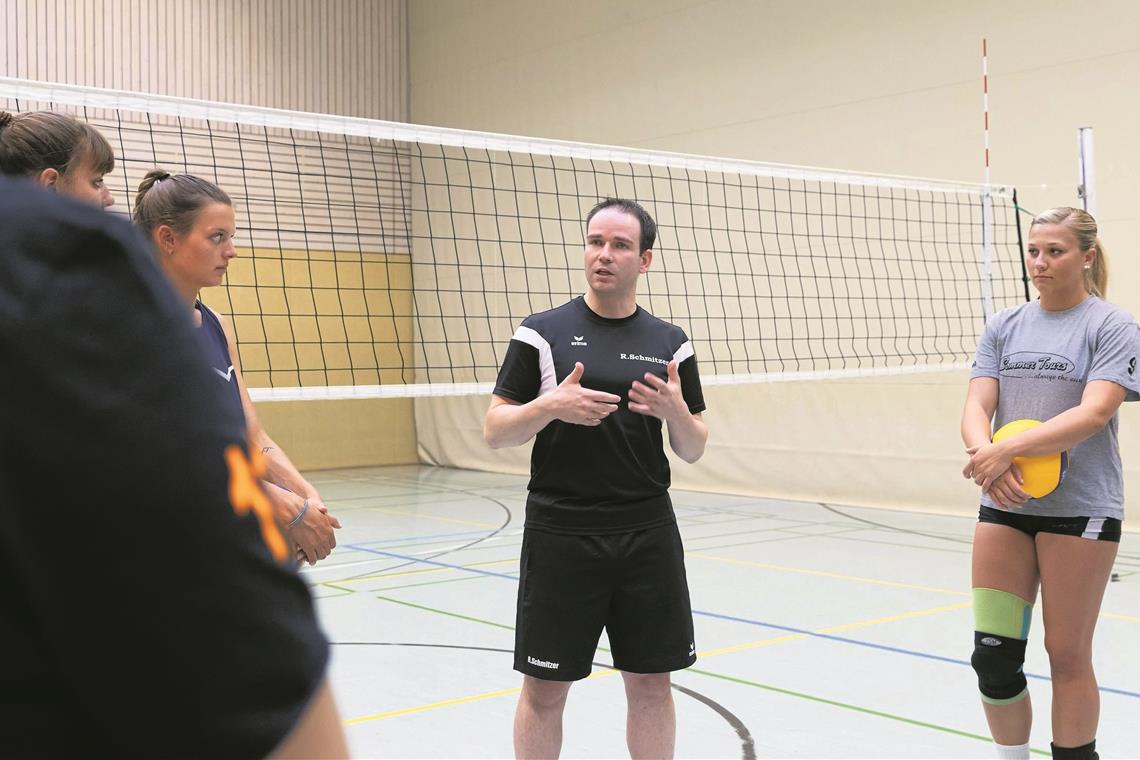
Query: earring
(1088, 266)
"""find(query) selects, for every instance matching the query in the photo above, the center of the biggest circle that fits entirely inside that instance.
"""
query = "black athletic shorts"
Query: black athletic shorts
(631, 584)
(1094, 528)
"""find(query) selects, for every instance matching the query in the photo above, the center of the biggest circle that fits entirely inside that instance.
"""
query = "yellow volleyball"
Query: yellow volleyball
(1042, 474)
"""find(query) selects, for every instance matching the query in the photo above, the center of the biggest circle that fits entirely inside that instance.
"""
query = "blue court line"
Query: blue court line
(393, 555)
(467, 533)
(884, 647)
(762, 624)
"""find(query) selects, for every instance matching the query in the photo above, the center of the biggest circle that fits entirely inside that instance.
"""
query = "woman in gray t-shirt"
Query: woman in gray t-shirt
(1067, 360)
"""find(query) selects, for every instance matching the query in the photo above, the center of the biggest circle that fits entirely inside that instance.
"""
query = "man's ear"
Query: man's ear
(646, 260)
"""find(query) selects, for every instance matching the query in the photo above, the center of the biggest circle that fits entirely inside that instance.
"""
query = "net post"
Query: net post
(987, 275)
(1021, 246)
(987, 282)
(1086, 190)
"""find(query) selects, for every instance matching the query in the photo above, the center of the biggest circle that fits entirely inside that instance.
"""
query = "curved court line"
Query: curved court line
(747, 743)
(1122, 560)
(786, 692)
(789, 629)
(855, 708)
(895, 528)
(506, 522)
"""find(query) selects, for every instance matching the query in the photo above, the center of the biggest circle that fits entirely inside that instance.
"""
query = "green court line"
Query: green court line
(745, 682)
(330, 584)
(855, 708)
(343, 592)
(838, 537)
(445, 612)
(428, 583)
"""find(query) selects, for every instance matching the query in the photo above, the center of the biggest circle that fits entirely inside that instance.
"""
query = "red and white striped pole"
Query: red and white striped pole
(987, 197)
(986, 110)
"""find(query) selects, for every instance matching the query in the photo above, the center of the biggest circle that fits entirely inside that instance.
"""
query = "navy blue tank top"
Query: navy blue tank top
(214, 341)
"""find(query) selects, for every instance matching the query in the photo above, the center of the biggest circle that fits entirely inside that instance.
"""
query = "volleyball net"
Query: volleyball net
(383, 259)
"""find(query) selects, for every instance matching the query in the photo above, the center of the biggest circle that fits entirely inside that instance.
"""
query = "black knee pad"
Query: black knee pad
(999, 662)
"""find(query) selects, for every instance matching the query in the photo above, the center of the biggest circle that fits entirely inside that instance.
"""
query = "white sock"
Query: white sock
(1012, 751)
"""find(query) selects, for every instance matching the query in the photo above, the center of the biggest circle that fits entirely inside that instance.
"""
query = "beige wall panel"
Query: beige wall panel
(348, 433)
(890, 86)
(347, 57)
(886, 86)
(878, 443)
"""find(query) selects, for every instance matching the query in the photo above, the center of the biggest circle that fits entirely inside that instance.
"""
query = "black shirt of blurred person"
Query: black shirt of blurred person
(147, 602)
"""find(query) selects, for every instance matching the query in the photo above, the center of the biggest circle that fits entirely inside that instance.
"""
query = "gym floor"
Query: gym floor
(822, 631)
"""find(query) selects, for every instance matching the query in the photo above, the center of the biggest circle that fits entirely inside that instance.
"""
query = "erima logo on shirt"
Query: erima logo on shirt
(1131, 365)
(542, 663)
(225, 375)
(579, 340)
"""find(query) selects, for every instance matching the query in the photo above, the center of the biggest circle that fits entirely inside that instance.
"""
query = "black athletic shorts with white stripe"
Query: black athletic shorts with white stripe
(1094, 528)
(631, 584)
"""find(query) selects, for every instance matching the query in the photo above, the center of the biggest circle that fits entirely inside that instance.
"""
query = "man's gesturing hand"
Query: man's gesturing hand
(582, 406)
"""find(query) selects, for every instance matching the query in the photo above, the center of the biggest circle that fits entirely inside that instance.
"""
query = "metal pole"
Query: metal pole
(987, 200)
(1086, 190)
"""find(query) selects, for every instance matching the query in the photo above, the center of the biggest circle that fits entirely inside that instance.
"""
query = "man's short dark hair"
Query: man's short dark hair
(635, 209)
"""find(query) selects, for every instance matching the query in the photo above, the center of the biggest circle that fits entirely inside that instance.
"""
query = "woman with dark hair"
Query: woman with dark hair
(57, 151)
(190, 221)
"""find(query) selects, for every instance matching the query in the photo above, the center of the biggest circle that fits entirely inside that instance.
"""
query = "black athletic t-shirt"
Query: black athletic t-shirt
(613, 477)
(142, 611)
(217, 350)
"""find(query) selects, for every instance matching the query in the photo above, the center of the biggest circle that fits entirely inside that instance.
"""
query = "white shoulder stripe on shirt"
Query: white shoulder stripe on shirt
(684, 352)
(545, 358)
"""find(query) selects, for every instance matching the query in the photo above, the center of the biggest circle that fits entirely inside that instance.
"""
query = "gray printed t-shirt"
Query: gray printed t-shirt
(1042, 361)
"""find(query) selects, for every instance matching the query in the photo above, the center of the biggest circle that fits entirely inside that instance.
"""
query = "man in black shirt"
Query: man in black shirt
(592, 381)
(148, 606)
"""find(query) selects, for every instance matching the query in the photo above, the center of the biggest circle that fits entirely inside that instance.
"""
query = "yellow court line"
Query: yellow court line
(459, 701)
(754, 644)
(902, 616)
(1118, 616)
(875, 581)
(456, 520)
(427, 571)
(432, 706)
(835, 629)
(825, 574)
(723, 650)
(607, 673)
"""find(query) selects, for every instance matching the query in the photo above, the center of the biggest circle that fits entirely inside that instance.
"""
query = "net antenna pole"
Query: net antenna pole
(1086, 190)
(987, 199)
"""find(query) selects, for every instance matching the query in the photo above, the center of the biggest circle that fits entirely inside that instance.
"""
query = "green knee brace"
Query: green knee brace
(1001, 626)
